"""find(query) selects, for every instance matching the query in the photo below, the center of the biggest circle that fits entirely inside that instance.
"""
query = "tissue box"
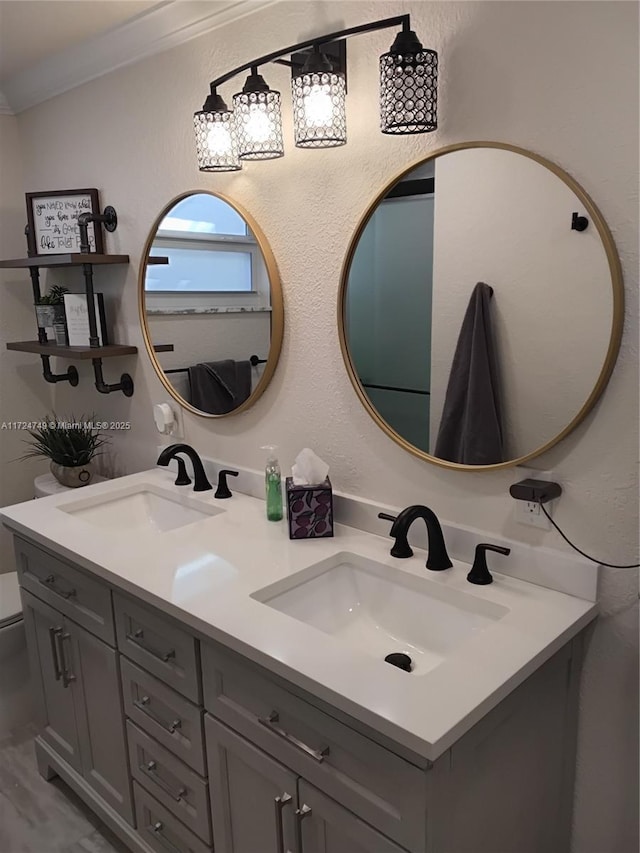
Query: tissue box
(309, 510)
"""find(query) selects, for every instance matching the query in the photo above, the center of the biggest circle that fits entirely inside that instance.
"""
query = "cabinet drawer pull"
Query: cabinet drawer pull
(270, 721)
(67, 677)
(139, 635)
(142, 705)
(53, 632)
(150, 769)
(279, 803)
(50, 583)
(305, 811)
(157, 828)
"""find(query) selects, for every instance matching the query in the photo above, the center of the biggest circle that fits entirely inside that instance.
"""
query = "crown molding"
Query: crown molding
(161, 28)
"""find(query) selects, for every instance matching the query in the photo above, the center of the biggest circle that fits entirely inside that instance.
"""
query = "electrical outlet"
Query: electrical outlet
(530, 512)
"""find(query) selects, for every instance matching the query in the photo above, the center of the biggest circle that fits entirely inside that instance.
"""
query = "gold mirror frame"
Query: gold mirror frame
(617, 318)
(277, 305)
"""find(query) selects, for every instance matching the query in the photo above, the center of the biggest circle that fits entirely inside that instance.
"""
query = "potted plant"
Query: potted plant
(50, 312)
(71, 447)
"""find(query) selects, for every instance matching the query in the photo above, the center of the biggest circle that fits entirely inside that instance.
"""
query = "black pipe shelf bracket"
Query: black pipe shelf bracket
(109, 219)
(71, 376)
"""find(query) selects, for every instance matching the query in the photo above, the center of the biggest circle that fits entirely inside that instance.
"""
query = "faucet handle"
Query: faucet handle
(223, 490)
(183, 478)
(479, 573)
(401, 547)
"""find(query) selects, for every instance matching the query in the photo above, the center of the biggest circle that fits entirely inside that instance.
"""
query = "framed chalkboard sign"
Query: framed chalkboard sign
(53, 221)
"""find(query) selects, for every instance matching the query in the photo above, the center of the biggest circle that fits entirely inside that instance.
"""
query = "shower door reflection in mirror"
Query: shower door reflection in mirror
(211, 304)
(478, 325)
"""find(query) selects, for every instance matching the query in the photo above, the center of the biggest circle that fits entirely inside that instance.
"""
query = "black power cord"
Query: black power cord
(575, 547)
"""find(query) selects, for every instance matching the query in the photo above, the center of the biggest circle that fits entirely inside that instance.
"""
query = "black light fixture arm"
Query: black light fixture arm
(399, 20)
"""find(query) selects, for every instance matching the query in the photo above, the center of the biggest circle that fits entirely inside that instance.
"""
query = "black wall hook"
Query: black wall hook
(579, 223)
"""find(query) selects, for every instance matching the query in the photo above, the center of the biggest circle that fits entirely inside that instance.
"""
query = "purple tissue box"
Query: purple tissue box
(309, 510)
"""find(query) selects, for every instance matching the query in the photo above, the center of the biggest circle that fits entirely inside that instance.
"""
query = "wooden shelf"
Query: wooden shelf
(154, 260)
(72, 259)
(163, 347)
(110, 351)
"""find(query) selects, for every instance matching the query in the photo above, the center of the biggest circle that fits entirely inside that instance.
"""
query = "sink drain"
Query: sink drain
(400, 660)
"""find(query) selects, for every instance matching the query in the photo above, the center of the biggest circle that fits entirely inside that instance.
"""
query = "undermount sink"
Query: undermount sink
(140, 508)
(375, 609)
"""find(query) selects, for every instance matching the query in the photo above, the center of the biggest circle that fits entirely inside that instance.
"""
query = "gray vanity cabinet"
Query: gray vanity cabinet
(103, 745)
(255, 797)
(78, 686)
(55, 704)
(260, 805)
(224, 752)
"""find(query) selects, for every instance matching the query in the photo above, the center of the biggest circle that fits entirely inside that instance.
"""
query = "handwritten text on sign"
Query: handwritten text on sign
(55, 221)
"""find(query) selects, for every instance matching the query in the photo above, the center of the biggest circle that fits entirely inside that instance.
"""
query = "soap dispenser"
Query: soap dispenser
(273, 484)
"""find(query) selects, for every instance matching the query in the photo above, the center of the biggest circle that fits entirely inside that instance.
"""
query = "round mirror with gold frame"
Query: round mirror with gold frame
(481, 306)
(210, 303)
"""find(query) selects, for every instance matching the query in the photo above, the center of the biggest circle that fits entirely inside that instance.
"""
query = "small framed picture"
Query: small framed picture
(53, 221)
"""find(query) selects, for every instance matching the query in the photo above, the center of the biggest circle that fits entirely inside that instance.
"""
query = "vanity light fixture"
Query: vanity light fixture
(258, 120)
(253, 130)
(216, 136)
(319, 94)
(408, 86)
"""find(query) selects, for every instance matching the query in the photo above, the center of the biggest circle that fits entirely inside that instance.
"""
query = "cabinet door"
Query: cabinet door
(93, 668)
(54, 693)
(253, 798)
(324, 826)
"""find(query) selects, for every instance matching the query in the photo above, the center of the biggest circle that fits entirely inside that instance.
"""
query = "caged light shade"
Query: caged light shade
(319, 96)
(258, 120)
(216, 137)
(408, 86)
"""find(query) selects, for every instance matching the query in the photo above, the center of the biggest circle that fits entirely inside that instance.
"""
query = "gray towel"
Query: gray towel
(471, 425)
(218, 387)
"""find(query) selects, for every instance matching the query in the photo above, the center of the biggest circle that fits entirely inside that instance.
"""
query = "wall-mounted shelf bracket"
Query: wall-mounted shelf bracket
(125, 385)
(71, 376)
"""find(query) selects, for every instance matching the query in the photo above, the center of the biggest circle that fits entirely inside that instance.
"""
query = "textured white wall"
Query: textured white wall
(559, 78)
(24, 396)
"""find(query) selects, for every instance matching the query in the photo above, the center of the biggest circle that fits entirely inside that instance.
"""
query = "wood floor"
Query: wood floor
(43, 817)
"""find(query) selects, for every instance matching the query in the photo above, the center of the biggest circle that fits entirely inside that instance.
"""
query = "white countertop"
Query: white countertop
(205, 572)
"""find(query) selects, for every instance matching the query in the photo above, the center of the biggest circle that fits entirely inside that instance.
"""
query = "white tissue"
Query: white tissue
(308, 469)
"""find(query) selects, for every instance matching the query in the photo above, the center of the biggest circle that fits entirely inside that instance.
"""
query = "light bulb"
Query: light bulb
(218, 138)
(317, 106)
(258, 127)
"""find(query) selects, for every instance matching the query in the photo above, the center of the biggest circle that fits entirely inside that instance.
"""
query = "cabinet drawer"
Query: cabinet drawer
(380, 787)
(168, 717)
(170, 781)
(160, 829)
(157, 644)
(69, 590)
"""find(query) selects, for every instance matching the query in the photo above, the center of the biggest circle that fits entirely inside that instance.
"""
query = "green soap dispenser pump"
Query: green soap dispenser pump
(273, 484)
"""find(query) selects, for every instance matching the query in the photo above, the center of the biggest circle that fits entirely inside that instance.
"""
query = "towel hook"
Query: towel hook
(579, 223)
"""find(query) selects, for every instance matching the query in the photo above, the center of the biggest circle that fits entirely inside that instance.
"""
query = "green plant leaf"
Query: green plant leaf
(69, 441)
